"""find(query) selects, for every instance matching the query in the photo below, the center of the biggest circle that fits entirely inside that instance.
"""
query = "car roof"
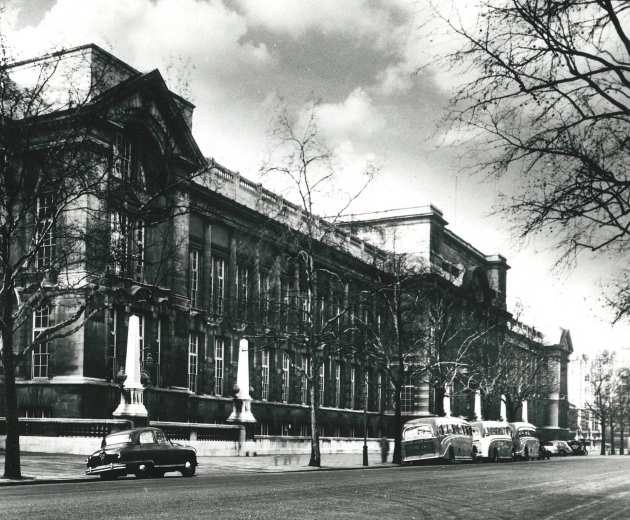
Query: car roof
(436, 420)
(134, 430)
(527, 425)
(500, 424)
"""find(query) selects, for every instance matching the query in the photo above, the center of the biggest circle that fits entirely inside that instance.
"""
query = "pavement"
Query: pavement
(59, 467)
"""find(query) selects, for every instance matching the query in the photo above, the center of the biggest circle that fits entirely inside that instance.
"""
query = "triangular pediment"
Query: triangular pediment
(147, 101)
(565, 342)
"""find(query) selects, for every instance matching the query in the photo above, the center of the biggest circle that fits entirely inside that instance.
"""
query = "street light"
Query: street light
(365, 421)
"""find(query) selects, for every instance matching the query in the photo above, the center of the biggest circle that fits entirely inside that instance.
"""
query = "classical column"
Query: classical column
(131, 398)
(503, 412)
(447, 401)
(524, 410)
(554, 396)
(477, 409)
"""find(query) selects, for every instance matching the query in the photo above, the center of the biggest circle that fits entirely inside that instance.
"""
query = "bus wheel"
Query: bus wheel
(451, 455)
(473, 455)
(526, 453)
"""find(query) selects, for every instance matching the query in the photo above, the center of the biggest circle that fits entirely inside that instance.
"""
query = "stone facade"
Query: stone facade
(220, 270)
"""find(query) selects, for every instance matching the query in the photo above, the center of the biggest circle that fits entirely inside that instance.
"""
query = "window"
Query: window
(337, 384)
(353, 389)
(143, 354)
(264, 367)
(122, 158)
(118, 231)
(407, 398)
(146, 437)
(286, 364)
(379, 393)
(218, 366)
(322, 377)
(193, 352)
(138, 249)
(40, 353)
(44, 232)
(158, 353)
(112, 348)
(242, 281)
(265, 297)
(304, 382)
(218, 284)
(160, 438)
(284, 306)
(128, 244)
(194, 277)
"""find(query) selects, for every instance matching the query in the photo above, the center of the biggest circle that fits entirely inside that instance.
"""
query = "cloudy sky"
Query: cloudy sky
(369, 65)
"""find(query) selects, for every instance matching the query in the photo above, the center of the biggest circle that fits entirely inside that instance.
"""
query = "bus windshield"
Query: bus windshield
(526, 433)
(422, 431)
(497, 430)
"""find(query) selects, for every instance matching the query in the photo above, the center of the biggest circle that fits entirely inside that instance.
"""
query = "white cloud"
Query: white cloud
(147, 34)
(355, 117)
(356, 18)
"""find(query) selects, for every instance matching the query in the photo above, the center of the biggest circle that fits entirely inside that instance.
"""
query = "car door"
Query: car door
(146, 446)
(168, 454)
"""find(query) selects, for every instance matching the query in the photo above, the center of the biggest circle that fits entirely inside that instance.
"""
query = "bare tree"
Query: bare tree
(451, 325)
(548, 103)
(73, 219)
(513, 367)
(428, 331)
(601, 380)
(321, 300)
(622, 404)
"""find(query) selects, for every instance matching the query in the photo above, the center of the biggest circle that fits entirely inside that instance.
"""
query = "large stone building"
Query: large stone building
(223, 267)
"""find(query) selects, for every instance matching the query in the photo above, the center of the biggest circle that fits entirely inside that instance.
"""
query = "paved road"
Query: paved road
(576, 487)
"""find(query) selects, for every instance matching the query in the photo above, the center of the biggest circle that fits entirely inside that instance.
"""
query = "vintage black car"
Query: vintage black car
(143, 452)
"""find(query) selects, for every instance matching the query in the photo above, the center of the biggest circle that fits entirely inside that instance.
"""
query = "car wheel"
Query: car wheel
(451, 455)
(157, 473)
(189, 468)
(144, 471)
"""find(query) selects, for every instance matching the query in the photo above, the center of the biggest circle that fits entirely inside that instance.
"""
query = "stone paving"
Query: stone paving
(47, 467)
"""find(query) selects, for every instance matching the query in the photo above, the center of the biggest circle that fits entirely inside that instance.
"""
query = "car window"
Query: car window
(146, 437)
(160, 438)
(117, 438)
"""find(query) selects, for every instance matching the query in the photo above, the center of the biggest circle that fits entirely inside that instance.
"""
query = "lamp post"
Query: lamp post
(365, 421)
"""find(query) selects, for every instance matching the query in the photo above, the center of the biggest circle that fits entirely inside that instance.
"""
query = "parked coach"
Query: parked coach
(492, 440)
(447, 438)
(525, 443)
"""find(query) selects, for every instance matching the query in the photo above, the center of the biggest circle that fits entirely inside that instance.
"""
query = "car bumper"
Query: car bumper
(105, 468)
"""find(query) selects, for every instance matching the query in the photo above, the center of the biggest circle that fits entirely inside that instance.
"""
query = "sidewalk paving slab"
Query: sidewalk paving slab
(39, 468)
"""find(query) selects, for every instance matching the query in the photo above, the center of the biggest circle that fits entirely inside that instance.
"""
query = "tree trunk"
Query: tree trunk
(12, 454)
(316, 458)
(602, 423)
(438, 405)
(397, 456)
(621, 426)
(612, 436)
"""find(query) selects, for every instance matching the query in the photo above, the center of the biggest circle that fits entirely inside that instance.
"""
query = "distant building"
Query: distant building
(229, 273)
